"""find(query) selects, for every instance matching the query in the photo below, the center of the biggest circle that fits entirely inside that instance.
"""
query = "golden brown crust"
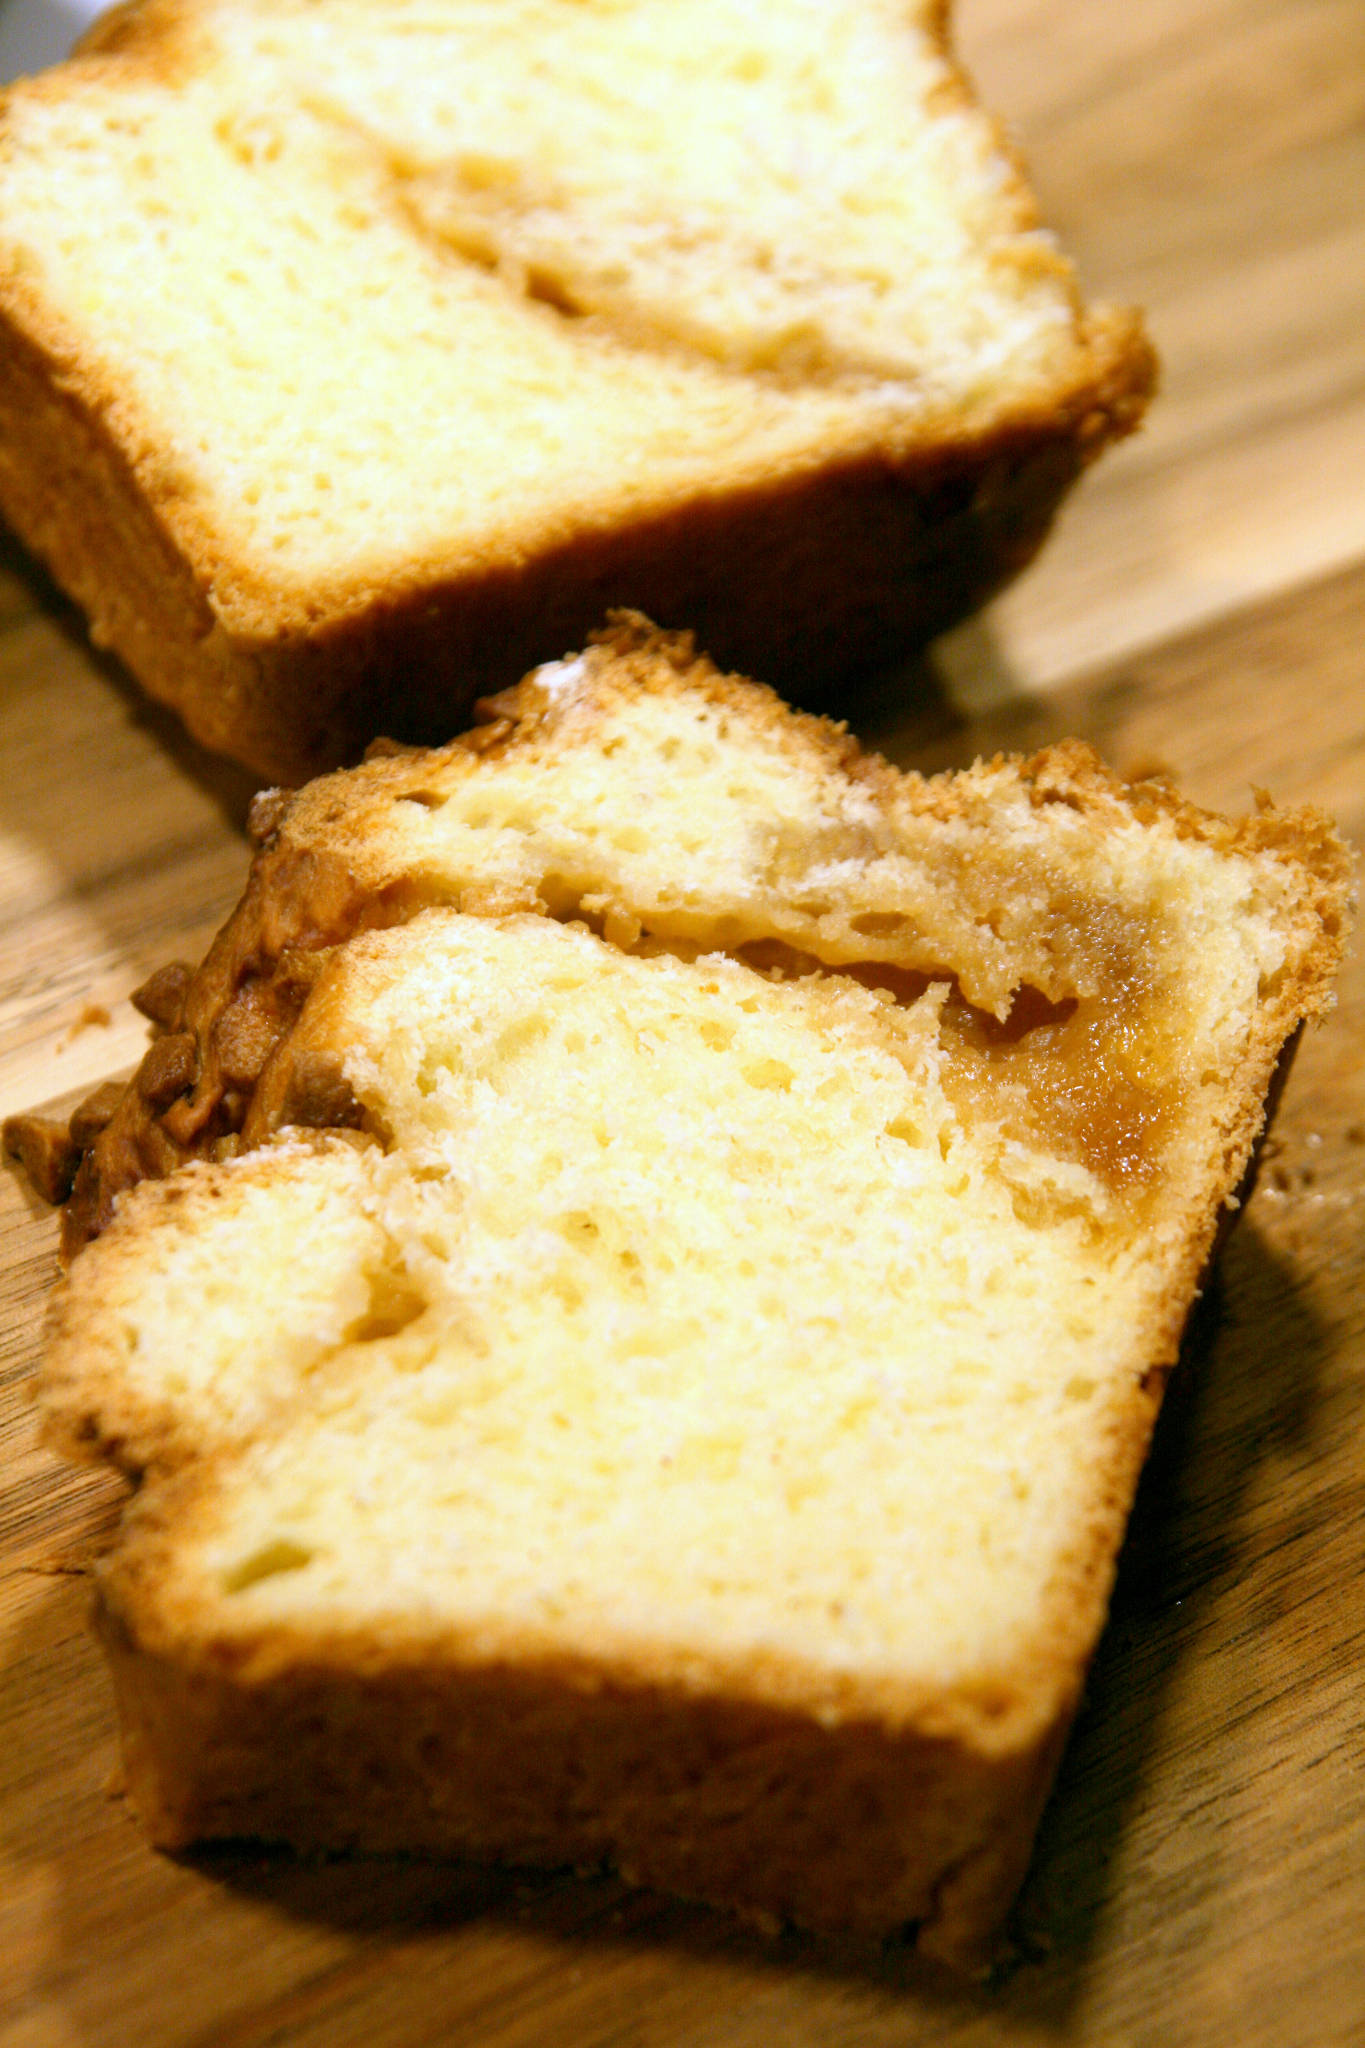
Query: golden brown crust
(844, 1828)
(151, 37)
(234, 1011)
(48, 1151)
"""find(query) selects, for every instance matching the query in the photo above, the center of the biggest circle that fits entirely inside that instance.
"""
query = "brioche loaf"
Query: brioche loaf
(353, 358)
(636, 1279)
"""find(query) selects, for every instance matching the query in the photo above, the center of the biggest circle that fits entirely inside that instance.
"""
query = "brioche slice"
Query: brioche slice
(670, 1238)
(353, 358)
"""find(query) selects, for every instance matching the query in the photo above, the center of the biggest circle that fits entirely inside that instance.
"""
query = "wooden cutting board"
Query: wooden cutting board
(1200, 1877)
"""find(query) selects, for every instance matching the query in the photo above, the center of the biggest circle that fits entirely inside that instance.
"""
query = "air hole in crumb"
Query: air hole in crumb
(395, 1301)
(580, 1227)
(549, 290)
(1030, 1010)
(283, 1554)
(769, 1073)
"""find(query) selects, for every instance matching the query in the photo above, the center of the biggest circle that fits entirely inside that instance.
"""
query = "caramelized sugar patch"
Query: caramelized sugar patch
(1088, 1078)
(1091, 1078)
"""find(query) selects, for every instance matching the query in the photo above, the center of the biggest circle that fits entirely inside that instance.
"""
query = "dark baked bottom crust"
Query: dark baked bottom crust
(812, 581)
(850, 1830)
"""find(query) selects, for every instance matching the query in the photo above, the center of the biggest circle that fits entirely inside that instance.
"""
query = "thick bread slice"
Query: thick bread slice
(354, 358)
(684, 1407)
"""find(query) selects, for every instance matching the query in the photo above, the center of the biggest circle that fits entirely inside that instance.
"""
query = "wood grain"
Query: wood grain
(1207, 164)
(1201, 1872)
